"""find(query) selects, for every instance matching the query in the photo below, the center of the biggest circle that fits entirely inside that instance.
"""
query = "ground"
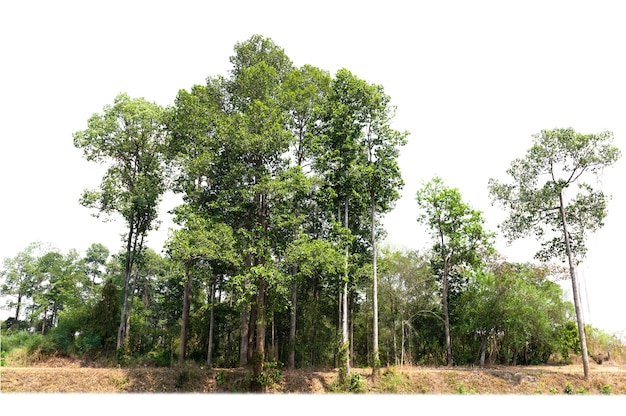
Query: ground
(61, 375)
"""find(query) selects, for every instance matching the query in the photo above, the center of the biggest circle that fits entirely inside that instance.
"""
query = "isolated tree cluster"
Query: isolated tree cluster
(284, 174)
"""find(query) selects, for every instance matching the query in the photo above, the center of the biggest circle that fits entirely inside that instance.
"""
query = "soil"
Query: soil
(61, 375)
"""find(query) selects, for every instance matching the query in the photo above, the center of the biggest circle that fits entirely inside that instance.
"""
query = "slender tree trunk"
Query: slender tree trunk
(243, 346)
(43, 322)
(259, 351)
(483, 350)
(291, 361)
(245, 327)
(252, 328)
(18, 307)
(351, 326)
(185, 318)
(129, 313)
(376, 358)
(446, 318)
(394, 340)
(128, 264)
(575, 293)
(313, 345)
(211, 322)
(402, 342)
(345, 347)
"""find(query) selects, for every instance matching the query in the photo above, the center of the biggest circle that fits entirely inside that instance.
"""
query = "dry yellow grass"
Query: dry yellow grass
(68, 376)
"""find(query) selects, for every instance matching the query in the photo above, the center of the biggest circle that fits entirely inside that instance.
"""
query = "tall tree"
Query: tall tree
(538, 202)
(384, 180)
(341, 162)
(303, 92)
(129, 137)
(459, 239)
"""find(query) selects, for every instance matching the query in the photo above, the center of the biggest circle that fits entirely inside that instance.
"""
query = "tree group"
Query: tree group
(284, 173)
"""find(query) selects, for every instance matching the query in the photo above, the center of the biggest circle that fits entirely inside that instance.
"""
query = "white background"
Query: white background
(472, 80)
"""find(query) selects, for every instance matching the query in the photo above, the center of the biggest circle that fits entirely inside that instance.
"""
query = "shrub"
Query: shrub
(353, 384)
(569, 389)
(606, 389)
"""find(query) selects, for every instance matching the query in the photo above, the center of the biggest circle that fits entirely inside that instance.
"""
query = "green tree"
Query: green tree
(539, 203)
(199, 245)
(515, 309)
(344, 117)
(95, 261)
(459, 239)
(304, 90)
(129, 137)
(383, 178)
(407, 292)
(19, 275)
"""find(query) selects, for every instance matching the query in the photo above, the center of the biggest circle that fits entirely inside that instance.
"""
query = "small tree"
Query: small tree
(458, 236)
(538, 203)
(129, 136)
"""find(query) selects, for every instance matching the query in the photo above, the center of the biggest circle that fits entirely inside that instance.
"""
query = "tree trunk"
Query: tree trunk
(402, 341)
(245, 327)
(185, 318)
(211, 321)
(259, 350)
(18, 307)
(345, 347)
(243, 346)
(376, 358)
(129, 313)
(291, 361)
(483, 350)
(446, 314)
(575, 293)
(128, 264)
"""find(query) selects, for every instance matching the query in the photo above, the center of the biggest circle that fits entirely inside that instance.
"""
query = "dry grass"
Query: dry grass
(70, 376)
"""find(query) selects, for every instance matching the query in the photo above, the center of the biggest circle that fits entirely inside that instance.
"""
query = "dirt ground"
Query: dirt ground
(71, 376)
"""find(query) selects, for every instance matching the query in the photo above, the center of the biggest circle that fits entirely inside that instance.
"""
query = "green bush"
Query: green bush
(353, 384)
(606, 389)
(569, 388)
(270, 375)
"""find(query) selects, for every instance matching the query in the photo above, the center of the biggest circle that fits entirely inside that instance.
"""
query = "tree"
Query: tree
(95, 260)
(19, 277)
(203, 248)
(515, 311)
(458, 236)
(383, 178)
(407, 291)
(539, 204)
(129, 136)
(344, 117)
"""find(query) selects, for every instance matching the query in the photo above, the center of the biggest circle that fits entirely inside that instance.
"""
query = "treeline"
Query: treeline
(284, 173)
(506, 314)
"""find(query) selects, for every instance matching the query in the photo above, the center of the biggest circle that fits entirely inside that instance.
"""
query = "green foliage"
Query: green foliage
(556, 162)
(569, 388)
(461, 389)
(354, 383)
(270, 375)
(605, 389)
(220, 378)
